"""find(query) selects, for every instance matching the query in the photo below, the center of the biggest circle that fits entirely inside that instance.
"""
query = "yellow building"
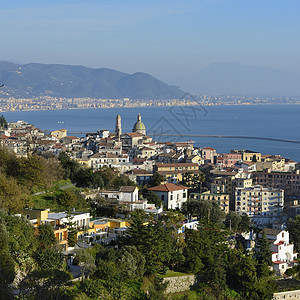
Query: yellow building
(248, 155)
(221, 199)
(174, 172)
(274, 163)
(59, 133)
(39, 217)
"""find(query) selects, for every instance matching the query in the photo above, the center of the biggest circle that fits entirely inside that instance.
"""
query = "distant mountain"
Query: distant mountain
(238, 79)
(35, 79)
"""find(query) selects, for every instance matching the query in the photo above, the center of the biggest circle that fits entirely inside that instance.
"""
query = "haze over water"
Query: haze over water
(270, 121)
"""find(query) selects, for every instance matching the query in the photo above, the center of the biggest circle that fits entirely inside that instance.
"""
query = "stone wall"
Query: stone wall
(290, 295)
(180, 283)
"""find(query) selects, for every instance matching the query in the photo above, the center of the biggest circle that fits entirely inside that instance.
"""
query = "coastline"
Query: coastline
(150, 106)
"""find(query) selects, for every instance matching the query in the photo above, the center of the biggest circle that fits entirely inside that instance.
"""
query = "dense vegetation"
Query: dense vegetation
(133, 266)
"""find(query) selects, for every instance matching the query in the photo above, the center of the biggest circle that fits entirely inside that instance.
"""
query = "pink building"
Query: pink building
(209, 154)
(228, 160)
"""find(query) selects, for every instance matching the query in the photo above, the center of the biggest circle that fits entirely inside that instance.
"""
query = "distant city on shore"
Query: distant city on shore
(54, 103)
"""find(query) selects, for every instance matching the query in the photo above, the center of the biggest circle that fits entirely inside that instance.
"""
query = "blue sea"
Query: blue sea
(270, 121)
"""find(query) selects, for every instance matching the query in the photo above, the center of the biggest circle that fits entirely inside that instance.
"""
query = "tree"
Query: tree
(208, 212)
(41, 284)
(46, 238)
(154, 240)
(3, 122)
(87, 263)
(193, 181)
(72, 231)
(293, 227)
(49, 259)
(7, 269)
(68, 199)
(233, 220)
(13, 197)
(157, 179)
(245, 223)
(153, 198)
(263, 253)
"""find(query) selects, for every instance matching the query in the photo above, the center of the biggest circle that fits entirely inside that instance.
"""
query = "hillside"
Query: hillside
(33, 80)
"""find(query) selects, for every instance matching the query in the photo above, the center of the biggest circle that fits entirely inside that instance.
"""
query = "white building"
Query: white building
(172, 195)
(283, 255)
(263, 205)
(80, 219)
(125, 194)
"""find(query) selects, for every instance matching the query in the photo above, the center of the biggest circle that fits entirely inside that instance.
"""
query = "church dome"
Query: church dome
(139, 126)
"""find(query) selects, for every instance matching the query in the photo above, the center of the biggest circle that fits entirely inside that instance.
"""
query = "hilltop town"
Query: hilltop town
(124, 189)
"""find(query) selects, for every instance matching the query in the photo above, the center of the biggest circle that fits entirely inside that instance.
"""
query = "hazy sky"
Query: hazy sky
(166, 38)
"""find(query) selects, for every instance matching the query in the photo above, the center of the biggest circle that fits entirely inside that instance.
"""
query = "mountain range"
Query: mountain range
(239, 79)
(34, 79)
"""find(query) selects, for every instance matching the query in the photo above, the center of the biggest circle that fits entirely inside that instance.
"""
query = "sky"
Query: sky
(166, 38)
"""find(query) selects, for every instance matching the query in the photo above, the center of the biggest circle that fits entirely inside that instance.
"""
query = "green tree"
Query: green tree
(293, 227)
(208, 212)
(232, 220)
(7, 269)
(72, 231)
(153, 198)
(263, 253)
(3, 122)
(46, 238)
(49, 258)
(68, 199)
(13, 197)
(157, 179)
(245, 223)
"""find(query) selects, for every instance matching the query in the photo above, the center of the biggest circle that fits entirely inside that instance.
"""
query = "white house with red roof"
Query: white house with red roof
(283, 255)
(172, 195)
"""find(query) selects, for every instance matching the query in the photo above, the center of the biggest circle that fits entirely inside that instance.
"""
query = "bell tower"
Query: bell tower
(118, 129)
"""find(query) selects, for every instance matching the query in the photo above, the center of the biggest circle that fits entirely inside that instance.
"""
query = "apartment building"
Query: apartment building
(263, 205)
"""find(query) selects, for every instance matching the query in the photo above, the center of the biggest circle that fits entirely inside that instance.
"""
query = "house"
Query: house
(129, 194)
(247, 166)
(80, 219)
(283, 255)
(140, 176)
(228, 160)
(172, 195)
(60, 133)
(124, 194)
(70, 139)
(39, 217)
(190, 224)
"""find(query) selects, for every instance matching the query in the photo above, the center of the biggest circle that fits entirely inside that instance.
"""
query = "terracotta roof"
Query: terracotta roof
(72, 137)
(179, 172)
(3, 136)
(209, 148)
(168, 187)
(249, 163)
(271, 231)
(134, 134)
(141, 172)
(128, 189)
(177, 165)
